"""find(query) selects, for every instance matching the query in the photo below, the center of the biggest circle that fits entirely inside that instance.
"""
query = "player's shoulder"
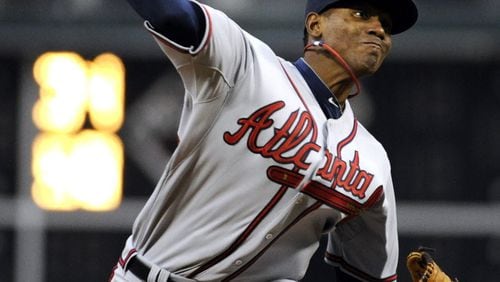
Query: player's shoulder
(221, 23)
(372, 140)
(371, 143)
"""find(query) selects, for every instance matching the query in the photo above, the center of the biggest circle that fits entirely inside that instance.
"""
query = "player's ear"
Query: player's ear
(313, 25)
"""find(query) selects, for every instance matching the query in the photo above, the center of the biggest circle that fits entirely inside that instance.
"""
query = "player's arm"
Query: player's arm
(203, 44)
(180, 20)
(366, 247)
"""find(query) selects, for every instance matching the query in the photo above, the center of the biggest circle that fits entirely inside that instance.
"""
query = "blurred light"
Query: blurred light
(100, 157)
(63, 73)
(49, 166)
(63, 100)
(107, 93)
(58, 115)
(82, 171)
(75, 168)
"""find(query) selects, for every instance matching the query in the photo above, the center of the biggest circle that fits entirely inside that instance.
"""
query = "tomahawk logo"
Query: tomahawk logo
(293, 142)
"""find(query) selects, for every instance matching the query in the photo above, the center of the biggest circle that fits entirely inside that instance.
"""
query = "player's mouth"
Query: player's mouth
(373, 44)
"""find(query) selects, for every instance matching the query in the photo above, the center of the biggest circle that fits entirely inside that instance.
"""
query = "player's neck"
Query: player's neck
(332, 74)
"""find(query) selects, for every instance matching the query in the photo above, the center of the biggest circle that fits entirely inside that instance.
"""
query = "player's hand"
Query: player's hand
(424, 269)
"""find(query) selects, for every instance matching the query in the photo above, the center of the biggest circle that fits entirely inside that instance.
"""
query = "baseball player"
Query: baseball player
(271, 155)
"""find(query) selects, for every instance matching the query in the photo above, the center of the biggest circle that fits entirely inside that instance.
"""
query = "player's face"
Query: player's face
(360, 32)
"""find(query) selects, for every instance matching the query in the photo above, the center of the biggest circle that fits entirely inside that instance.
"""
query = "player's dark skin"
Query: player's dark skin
(359, 32)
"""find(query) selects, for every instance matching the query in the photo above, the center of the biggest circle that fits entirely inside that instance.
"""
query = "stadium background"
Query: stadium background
(434, 105)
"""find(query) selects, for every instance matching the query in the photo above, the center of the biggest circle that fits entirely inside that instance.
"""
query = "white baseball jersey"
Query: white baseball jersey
(260, 173)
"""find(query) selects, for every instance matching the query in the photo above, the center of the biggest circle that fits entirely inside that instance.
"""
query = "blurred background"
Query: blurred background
(434, 105)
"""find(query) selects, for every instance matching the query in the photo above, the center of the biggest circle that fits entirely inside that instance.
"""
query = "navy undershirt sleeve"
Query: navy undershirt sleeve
(179, 20)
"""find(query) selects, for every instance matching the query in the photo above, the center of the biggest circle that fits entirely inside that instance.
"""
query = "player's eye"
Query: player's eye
(362, 14)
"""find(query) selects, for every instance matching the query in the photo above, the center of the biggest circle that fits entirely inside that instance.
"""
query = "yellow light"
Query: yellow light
(58, 115)
(97, 165)
(82, 171)
(49, 168)
(107, 93)
(75, 169)
(63, 100)
(62, 72)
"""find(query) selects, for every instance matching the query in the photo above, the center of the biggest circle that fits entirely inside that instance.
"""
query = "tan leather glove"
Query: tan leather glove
(424, 269)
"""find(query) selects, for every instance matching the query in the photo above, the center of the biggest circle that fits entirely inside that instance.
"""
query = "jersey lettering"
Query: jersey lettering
(354, 180)
(293, 133)
(285, 139)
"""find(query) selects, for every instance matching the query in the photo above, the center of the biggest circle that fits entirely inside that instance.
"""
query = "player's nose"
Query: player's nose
(375, 27)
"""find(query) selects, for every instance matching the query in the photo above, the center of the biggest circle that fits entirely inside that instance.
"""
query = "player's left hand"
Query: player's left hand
(424, 269)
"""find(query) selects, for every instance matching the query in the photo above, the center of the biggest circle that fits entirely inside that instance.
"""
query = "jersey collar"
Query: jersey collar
(323, 95)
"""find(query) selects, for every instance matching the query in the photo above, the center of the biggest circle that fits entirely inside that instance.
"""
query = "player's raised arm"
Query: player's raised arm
(188, 31)
(180, 20)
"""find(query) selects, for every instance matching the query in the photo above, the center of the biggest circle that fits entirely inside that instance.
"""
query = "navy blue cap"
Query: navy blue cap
(404, 13)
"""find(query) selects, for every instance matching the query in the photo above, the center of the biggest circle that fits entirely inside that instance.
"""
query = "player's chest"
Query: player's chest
(298, 145)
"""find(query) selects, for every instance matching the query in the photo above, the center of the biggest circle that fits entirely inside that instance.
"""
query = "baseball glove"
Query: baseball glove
(424, 269)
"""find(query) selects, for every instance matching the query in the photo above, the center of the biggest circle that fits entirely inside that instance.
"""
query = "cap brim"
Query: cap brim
(404, 13)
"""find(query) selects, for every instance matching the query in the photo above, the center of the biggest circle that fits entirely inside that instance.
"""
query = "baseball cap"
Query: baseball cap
(403, 13)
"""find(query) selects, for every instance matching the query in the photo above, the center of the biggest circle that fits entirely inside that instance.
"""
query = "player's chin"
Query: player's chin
(368, 70)
(370, 65)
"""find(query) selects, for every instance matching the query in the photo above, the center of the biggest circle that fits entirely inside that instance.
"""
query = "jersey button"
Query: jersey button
(269, 236)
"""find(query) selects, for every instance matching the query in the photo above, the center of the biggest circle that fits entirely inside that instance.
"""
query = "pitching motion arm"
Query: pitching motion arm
(179, 20)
